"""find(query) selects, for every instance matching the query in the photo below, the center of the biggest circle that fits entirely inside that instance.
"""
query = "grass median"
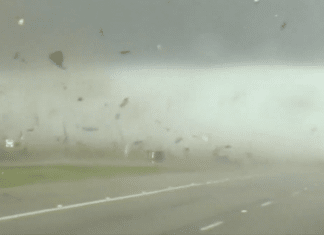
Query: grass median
(13, 176)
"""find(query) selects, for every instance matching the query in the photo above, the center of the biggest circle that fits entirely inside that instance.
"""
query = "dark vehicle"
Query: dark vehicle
(157, 156)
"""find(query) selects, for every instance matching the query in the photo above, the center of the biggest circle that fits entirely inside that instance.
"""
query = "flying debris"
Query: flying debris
(124, 52)
(16, 55)
(283, 25)
(157, 156)
(57, 59)
(124, 103)
(21, 22)
(178, 140)
(101, 31)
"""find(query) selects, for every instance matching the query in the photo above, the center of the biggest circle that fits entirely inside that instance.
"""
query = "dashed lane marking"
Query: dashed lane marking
(209, 227)
(266, 203)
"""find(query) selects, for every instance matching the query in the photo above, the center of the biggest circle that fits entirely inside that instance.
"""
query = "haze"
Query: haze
(246, 74)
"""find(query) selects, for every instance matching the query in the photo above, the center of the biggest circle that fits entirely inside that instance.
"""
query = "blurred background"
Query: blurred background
(240, 81)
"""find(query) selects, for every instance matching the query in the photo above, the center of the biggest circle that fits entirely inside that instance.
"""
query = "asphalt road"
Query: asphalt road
(286, 202)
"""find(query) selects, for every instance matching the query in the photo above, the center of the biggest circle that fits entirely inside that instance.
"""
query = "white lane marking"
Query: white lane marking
(59, 206)
(295, 194)
(105, 200)
(212, 226)
(244, 211)
(266, 203)
(221, 181)
(144, 193)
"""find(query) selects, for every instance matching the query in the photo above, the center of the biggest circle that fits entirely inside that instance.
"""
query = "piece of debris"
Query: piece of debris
(90, 128)
(283, 25)
(101, 31)
(21, 22)
(80, 99)
(124, 103)
(178, 140)
(138, 142)
(16, 55)
(57, 58)
(117, 116)
(30, 129)
(157, 156)
(9, 143)
(124, 52)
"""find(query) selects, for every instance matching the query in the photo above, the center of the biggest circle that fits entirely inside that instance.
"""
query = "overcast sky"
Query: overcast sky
(205, 31)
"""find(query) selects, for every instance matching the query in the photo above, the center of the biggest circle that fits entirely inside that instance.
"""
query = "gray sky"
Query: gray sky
(209, 31)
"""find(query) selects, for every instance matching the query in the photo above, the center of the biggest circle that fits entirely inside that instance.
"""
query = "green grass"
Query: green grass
(24, 175)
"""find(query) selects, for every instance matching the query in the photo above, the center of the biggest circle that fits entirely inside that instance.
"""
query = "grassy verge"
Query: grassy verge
(23, 175)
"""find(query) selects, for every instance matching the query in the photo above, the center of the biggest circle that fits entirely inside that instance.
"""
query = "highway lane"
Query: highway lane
(282, 203)
(295, 206)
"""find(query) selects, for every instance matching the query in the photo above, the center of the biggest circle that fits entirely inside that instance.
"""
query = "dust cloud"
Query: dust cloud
(116, 84)
(274, 111)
